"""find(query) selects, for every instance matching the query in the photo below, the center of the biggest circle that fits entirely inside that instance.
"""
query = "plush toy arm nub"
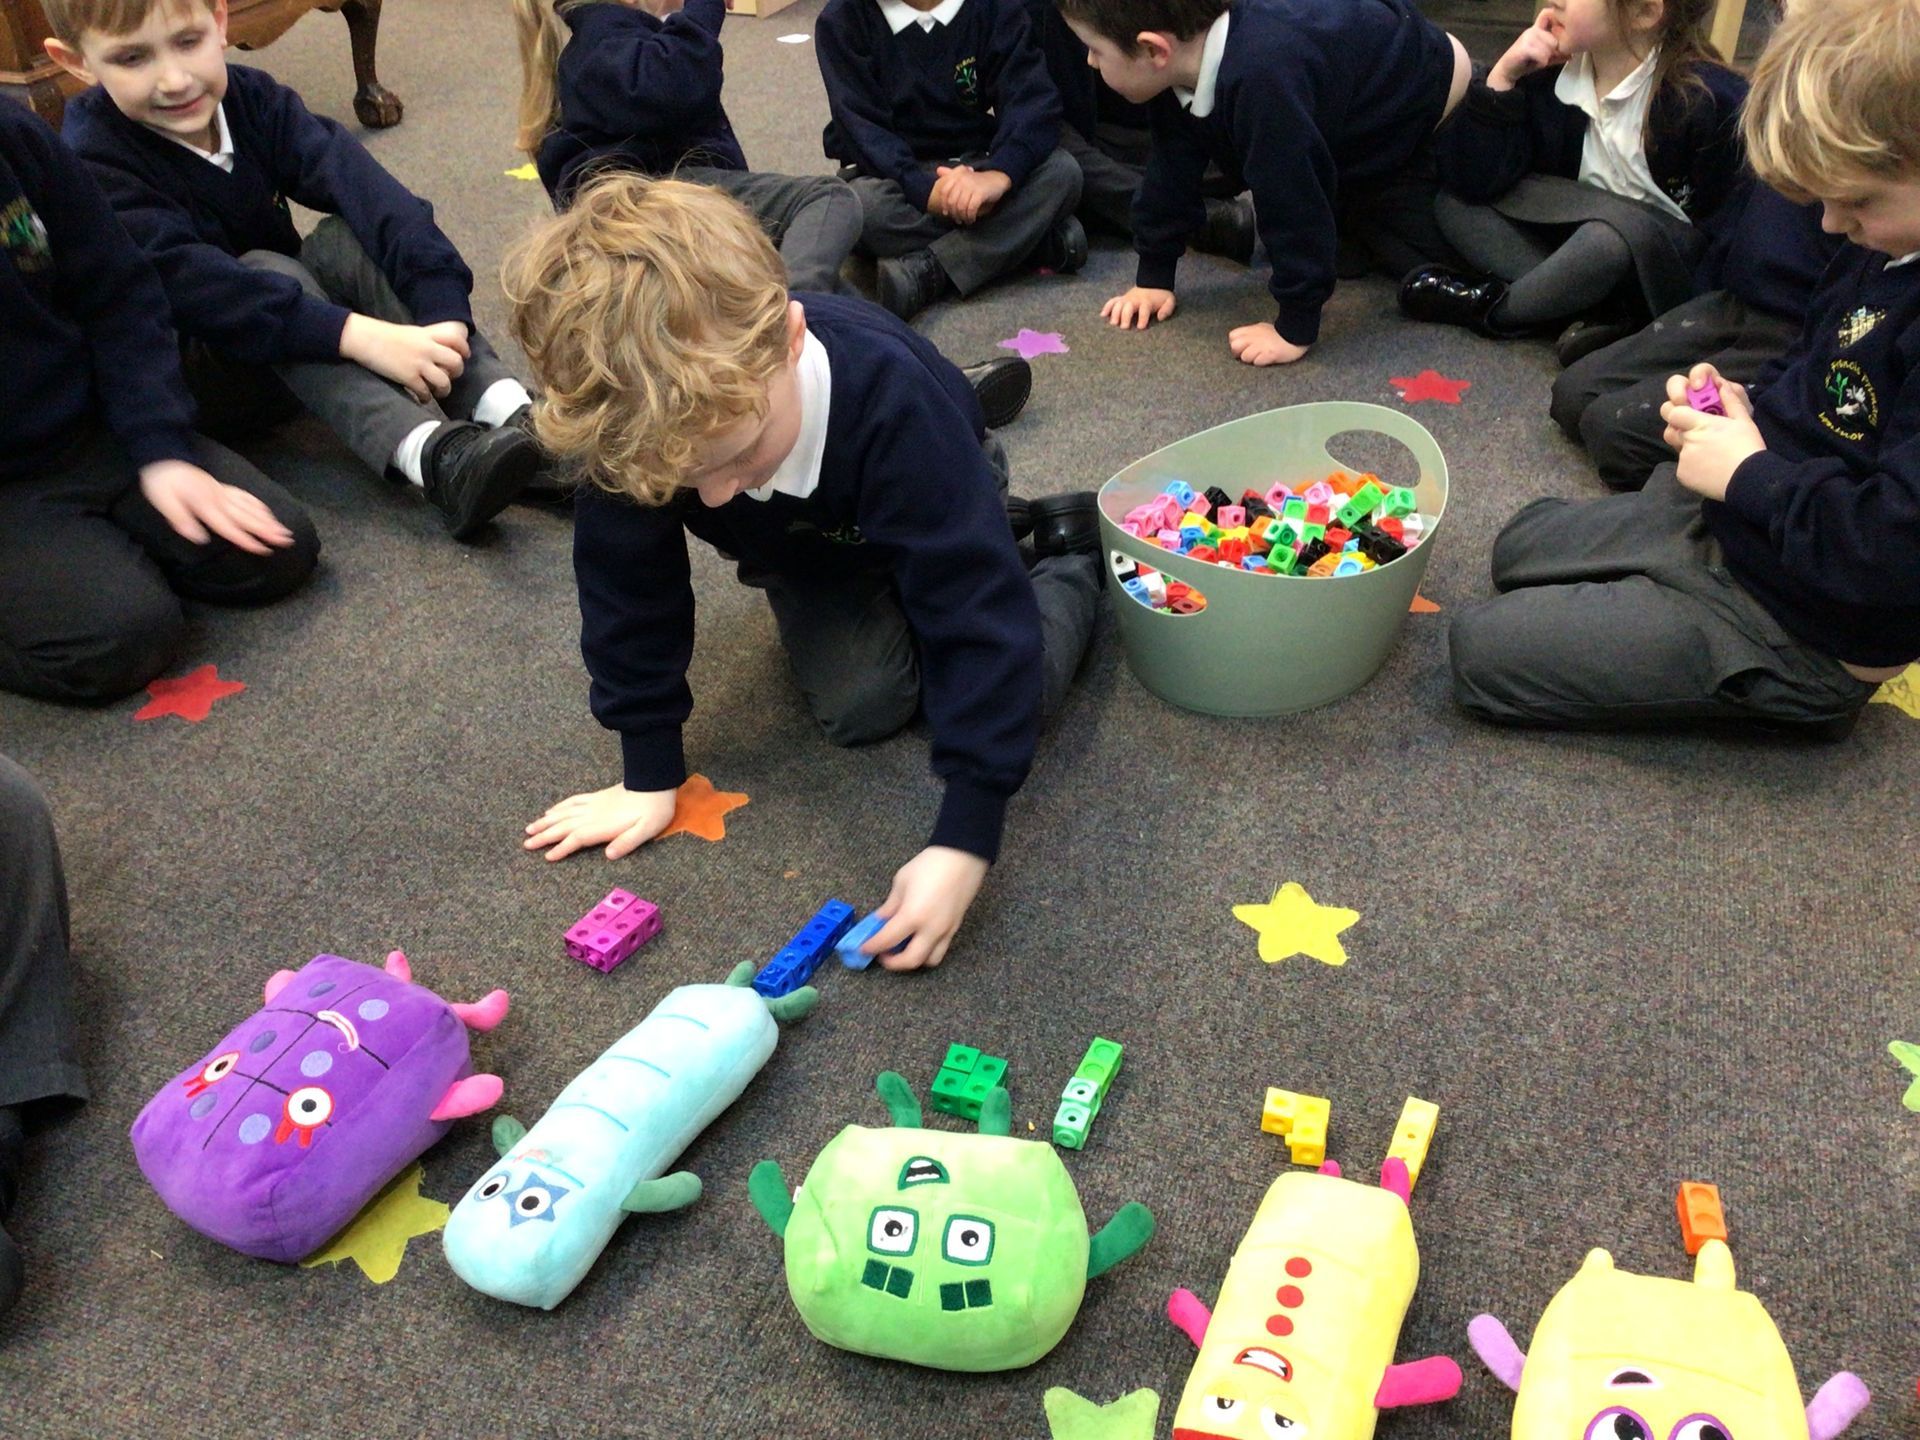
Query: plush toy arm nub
(468, 1097)
(507, 1133)
(1837, 1405)
(1124, 1235)
(669, 1192)
(767, 1188)
(1190, 1313)
(796, 1006)
(1418, 1382)
(1496, 1349)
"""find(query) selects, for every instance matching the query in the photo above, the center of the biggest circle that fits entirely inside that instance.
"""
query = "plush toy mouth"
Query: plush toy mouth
(1271, 1361)
(922, 1170)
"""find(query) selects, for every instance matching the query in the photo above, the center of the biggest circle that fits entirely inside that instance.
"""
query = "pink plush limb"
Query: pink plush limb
(1394, 1177)
(1496, 1349)
(1187, 1311)
(1332, 1167)
(398, 967)
(1837, 1405)
(276, 983)
(1418, 1382)
(468, 1097)
(483, 1014)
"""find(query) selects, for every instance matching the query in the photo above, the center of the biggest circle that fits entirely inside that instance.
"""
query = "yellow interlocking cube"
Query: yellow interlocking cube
(1413, 1135)
(1302, 1119)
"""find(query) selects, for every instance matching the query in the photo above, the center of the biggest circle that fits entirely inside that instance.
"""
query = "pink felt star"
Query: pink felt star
(1430, 385)
(189, 696)
(1030, 343)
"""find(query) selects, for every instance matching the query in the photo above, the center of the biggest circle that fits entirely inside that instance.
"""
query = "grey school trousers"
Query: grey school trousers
(39, 1050)
(972, 255)
(813, 220)
(370, 414)
(853, 652)
(1619, 613)
(1610, 400)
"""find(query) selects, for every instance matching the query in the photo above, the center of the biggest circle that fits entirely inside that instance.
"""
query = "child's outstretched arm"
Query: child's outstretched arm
(1169, 206)
(930, 897)
(621, 819)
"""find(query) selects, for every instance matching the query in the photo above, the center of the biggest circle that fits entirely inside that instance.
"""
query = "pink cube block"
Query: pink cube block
(1140, 515)
(1278, 495)
(611, 931)
(1231, 517)
(1136, 530)
(1201, 506)
(1167, 510)
(1319, 493)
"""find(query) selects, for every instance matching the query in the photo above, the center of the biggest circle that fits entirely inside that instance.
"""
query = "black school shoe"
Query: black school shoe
(1228, 230)
(1583, 337)
(1066, 524)
(552, 485)
(908, 284)
(1442, 296)
(473, 472)
(1001, 386)
(1065, 248)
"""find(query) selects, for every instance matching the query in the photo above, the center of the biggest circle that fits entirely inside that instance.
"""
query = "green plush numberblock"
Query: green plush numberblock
(954, 1251)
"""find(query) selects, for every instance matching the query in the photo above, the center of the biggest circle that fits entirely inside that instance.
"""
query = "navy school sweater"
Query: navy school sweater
(195, 220)
(1496, 137)
(904, 489)
(83, 320)
(1313, 97)
(902, 104)
(1767, 250)
(1823, 527)
(639, 92)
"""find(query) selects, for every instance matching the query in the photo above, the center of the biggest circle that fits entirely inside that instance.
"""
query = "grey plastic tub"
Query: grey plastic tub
(1268, 644)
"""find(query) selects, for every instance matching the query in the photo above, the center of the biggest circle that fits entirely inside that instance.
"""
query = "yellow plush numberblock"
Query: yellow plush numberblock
(1619, 1356)
(1301, 1340)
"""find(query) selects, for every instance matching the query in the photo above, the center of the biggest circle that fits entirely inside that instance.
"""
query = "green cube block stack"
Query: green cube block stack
(965, 1080)
(1363, 504)
(1080, 1102)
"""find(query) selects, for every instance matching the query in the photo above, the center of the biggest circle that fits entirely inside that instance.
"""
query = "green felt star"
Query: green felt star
(1131, 1417)
(1909, 1056)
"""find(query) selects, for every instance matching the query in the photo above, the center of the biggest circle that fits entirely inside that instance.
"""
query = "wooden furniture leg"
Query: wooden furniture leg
(377, 106)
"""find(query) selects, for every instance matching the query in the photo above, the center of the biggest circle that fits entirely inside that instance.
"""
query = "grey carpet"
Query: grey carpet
(1614, 962)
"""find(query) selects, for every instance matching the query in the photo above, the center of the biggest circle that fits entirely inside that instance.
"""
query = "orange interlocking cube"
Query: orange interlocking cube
(1701, 1218)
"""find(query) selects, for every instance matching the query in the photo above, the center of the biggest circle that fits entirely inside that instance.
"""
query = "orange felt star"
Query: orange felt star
(1430, 385)
(1422, 606)
(698, 809)
(190, 696)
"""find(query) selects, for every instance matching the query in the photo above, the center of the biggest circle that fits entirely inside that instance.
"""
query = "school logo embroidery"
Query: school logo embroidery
(966, 79)
(1853, 409)
(25, 237)
(848, 534)
(1857, 325)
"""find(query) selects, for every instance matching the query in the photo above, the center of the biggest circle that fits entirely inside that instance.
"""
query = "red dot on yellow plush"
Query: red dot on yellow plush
(699, 809)
(189, 696)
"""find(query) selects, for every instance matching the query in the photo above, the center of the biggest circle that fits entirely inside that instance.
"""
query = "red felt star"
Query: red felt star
(189, 696)
(1430, 385)
(698, 809)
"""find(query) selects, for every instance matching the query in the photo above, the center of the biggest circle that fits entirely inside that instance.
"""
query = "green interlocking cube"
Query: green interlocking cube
(1364, 500)
(1100, 1064)
(965, 1080)
(1070, 1124)
(1400, 501)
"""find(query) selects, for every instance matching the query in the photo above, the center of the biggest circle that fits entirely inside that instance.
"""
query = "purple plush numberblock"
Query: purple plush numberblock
(282, 1132)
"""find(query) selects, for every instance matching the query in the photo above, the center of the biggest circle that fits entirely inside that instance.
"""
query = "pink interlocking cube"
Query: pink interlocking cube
(1278, 495)
(1319, 493)
(1231, 517)
(613, 930)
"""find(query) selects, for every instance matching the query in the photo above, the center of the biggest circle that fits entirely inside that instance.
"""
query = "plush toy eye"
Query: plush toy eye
(491, 1186)
(1616, 1422)
(309, 1105)
(532, 1202)
(1279, 1427)
(968, 1241)
(893, 1232)
(1221, 1407)
(221, 1066)
(1701, 1427)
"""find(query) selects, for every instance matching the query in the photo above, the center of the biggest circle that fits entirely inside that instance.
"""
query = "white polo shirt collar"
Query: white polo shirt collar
(1199, 100)
(900, 14)
(222, 154)
(799, 473)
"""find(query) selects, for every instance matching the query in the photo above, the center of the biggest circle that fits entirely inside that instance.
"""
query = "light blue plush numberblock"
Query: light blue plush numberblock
(536, 1222)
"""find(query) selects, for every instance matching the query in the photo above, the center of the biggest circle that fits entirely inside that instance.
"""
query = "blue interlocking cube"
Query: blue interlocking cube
(818, 935)
(849, 947)
(1181, 491)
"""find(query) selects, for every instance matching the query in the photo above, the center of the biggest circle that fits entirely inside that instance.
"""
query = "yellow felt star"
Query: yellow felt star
(1902, 690)
(1131, 1417)
(378, 1236)
(524, 172)
(1291, 924)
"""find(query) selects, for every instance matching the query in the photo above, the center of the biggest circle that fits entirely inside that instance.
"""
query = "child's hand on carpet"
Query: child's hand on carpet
(194, 504)
(1261, 344)
(1139, 308)
(621, 819)
(929, 899)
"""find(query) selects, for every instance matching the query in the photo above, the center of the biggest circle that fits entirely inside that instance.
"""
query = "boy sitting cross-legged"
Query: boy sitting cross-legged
(365, 321)
(1771, 573)
(844, 464)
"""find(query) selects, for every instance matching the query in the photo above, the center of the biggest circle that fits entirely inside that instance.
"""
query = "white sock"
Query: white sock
(503, 397)
(410, 451)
